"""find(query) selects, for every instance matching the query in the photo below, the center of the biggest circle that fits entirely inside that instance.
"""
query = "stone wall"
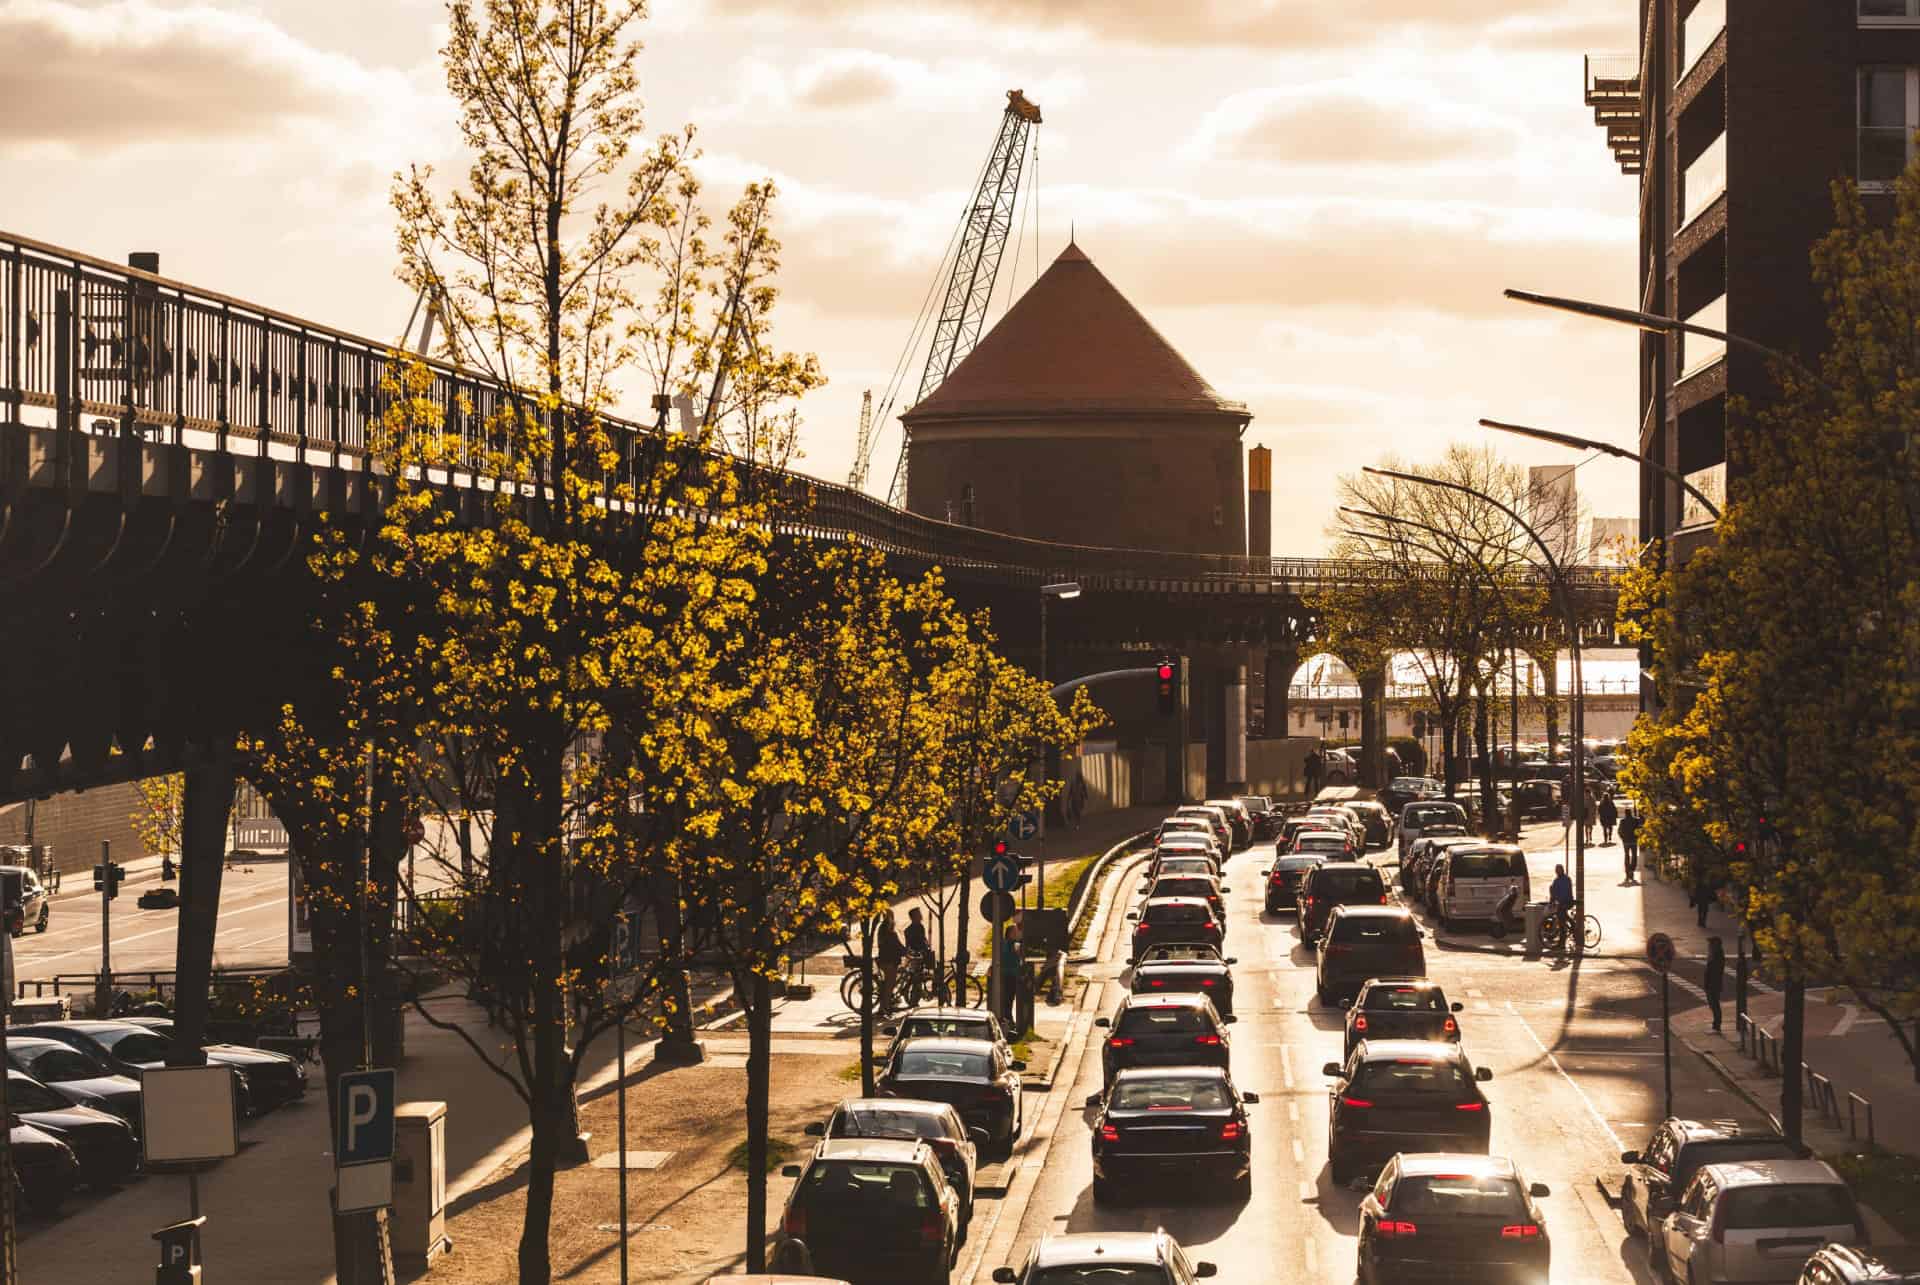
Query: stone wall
(74, 824)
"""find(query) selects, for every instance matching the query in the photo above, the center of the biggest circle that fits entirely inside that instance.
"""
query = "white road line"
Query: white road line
(1571, 1082)
(1299, 1152)
(1293, 1112)
(1306, 1190)
(1476, 994)
(1313, 1260)
(1286, 1064)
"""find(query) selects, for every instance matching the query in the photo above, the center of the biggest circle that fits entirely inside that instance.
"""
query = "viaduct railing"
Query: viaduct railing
(109, 348)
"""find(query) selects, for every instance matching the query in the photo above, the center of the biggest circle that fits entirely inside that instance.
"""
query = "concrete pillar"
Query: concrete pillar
(207, 803)
(1550, 675)
(1234, 725)
(1373, 690)
(1212, 704)
(1283, 660)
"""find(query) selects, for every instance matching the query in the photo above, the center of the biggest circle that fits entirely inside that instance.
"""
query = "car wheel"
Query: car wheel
(1102, 1191)
(46, 913)
(1342, 1172)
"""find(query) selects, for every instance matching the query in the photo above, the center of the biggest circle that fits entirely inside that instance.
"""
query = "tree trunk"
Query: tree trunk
(542, 880)
(1488, 808)
(866, 1009)
(1449, 729)
(1792, 1043)
(759, 1085)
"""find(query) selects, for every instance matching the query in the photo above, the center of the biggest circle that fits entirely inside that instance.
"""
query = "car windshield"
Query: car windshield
(953, 1062)
(1481, 865)
(1185, 866)
(1404, 999)
(1787, 1204)
(1450, 1195)
(55, 1065)
(132, 1045)
(1185, 886)
(1713, 1151)
(1170, 1093)
(1163, 1021)
(1178, 914)
(1410, 1077)
(865, 1187)
(1345, 883)
(1100, 1274)
(944, 1028)
(882, 1122)
(1375, 930)
(1183, 953)
(1407, 783)
(24, 1094)
(1421, 814)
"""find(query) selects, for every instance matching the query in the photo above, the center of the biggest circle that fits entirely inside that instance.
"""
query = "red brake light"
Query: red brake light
(1206, 981)
(1520, 1231)
(1109, 1133)
(1451, 1026)
(796, 1221)
(933, 1227)
(1355, 1102)
(1206, 1039)
(1118, 1041)
(1230, 1131)
(1469, 1106)
(1360, 1023)
(1386, 1228)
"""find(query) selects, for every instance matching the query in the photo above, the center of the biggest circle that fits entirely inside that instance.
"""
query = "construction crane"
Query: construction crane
(863, 444)
(976, 267)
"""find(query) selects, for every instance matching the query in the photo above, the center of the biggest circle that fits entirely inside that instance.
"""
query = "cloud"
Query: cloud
(1347, 123)
(132, 72)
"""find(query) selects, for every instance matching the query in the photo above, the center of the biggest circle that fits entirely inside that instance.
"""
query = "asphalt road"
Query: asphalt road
(1577, 1066)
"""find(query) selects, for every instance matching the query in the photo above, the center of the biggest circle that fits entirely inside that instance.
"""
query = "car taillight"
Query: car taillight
(1230, 1131)
(1717, 1229)
(1206, 981)
(1156, 983)
(1214, 929)
(1109, 1133)
(1520, 1231)
(1386, 1228)
(795, 1224)
(1206, 1039)
(1355, 1102)
(1360, 1023)
(1383, 898)
(1118, 1041)
(1452, 1027)
(1469, 1106)
(1140, 927)
(933, 1227)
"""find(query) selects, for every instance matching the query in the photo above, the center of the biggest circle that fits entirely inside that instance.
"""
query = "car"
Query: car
(1328, 845)
(1362, 942)
(1163, 1030)
(1440, 1216)
(1183, 968)
(873, 1210)
(1181, 861)
(1401, 1008)
(103, 1145)
(1092, 1257)
(1291, 827)
(1402, 790)
(1239, 820)
(76, 1076)
(975, 1077)
(1416, 817)
(273, 1079)
(1339, 767)
(21, 889)
(1475, 877)
(1658, 1172)
(1284, 877)
(1213, 816)
(1186, 828)
(1415, 866)
(935, 1123)
(45, 1168)
(1166, 919)
(1754, 1220)
(1187, 884)
(1850, 1265)
(1265, 819)
(1343, 816)
(1171, 1123)
(1391, 1096)
(937, 1021)
(263, 1079)
(1336, 883)
(1376, 821)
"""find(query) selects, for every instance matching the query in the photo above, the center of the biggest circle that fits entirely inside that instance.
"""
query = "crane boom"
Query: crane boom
(863, 444)
(976, 267)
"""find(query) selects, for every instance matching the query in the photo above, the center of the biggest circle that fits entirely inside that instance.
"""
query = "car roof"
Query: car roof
(896, 1149)
(1194, 1071)
(1428, 1163)
(947, 1010)
(1301, 859)
(1179, 901)
(1498, 849)
(1401, 983)
(1760, 1173)
(919, 1106)
(1372, 912)
(1349, 865)
(1059, 1249)
(1213, 961)
(86, 1025)
(1384, 1050)
(1713, 1130)
(949, 1044)
(1176, 1000)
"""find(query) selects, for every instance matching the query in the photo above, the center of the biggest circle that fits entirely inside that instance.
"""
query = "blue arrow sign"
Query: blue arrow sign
(1024, 826)
(364, 1132)
(1001, 873)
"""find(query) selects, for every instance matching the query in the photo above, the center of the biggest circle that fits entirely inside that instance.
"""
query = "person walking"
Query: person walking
(1077, 798)
(1702, 898)
(1609, 817)
(1012, 960)
(1313, 770)
(1716, 976)
(1630, 846)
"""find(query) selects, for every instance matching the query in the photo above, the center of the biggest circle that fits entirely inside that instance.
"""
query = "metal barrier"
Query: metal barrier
(1767, 1049)
(1865, 1107)
(1820, 1090)
(1742, 1024)
(159, 981)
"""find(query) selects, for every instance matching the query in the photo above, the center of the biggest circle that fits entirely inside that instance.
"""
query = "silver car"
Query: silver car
(1754, 1220)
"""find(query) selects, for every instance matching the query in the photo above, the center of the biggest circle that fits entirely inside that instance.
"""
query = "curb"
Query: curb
(1092, 881)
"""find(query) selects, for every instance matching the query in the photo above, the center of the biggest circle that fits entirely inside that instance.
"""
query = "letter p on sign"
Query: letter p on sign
(365, 1118)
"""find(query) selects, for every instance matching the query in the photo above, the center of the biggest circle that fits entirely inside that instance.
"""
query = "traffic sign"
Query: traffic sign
(1660, 951)
(1024, 826)
(364, 1130)
(1001, 872)
(996, 906)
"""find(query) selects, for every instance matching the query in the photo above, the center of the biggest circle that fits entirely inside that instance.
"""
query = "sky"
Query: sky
(1317, 203)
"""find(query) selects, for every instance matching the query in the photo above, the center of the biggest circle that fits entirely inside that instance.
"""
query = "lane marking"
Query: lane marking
(1476, 994)
(1293, 1112)
(1306, 1190)
(1571, 1083)
(1286, 1064)
(1299, 1152)
(1313, 1259)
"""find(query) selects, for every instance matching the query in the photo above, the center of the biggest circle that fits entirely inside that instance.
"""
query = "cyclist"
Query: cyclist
(1560, 900)
(887, 952)
(916, 940)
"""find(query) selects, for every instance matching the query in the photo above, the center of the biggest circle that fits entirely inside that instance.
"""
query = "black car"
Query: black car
(1336, 883)
(1403, 1095)
(1434, 1216)
(1284, 878)
(129, 1048)
(974, 1077)
(45, 1167)
(77, 1076)
(1173, 1122)
(103, 1145)
(1403, 790)
(874, 1210)
(946, 1022)
(272, 1078)
(1171, 919)
(1118, 1257)
(1367, 941)
(1163, 1030)
(1266, 820)
(1401, 1008)
(1658, 1173)
(1186, 969)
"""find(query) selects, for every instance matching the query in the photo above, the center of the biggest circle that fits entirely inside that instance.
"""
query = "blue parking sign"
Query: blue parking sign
(363, 1132)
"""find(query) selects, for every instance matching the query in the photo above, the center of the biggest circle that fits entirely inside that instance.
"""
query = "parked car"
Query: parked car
(1169, 919)
(1362, 942)
(1163, 1030)
(1336, 883)
(1419, 858)
(273, 1079)
(76, 1076)
(1539, 800)
(1284, 878)
(1473, 879)
(1401, 1008)
(1403, 790)
(1416, 817)
(935, 1021)
(1850, 1265)
(1439, 1216)
(972, 1076)
(1186, 968)
(1124, 1258)
(1177, 1123)
(263, 1080)
(1755, 1220)
(935, 1123)
(1392, 1096)
(1376, 822)
(873, 1211)
(44, 1166)
(20, 888)
(1339, 767)
(1206, 887)
(102, 1144)
(1661, 1170)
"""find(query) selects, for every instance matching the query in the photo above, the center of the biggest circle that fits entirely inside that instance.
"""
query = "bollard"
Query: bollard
(179, 1252)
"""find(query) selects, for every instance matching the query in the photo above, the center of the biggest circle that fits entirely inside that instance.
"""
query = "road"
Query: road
(1576, 1060)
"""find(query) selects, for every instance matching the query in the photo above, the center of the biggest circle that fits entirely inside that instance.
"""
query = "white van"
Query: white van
(1475, 876)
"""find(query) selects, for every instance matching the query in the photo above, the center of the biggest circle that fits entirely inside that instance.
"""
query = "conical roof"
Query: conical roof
(1072, 345)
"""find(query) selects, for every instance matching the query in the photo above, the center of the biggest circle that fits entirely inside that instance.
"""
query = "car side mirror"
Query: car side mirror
(1102, 1021)
(1482, 1074)
(1231, 960)
(1018, 1065)
(1539, 1190)
(1458, 1006)
(1331, 1068)
(815, 1130)
(1346, 1003)
(1005, 1274)
(1629, 1157)
(1133, 914)
(789, 1171)
(1251, 1099)
(1229, 1020)
(1205, 1269)
(1225, 889)
(1093, 1101)
(979, 1137)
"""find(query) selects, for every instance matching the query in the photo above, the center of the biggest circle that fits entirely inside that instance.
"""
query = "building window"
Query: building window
(1889, 113)
(1698, 30)
(1889, 13)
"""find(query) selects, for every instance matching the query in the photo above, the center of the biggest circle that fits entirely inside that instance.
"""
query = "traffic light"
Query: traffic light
(999, 847)
(1343, 720)
(107, 879)
(1169, 675)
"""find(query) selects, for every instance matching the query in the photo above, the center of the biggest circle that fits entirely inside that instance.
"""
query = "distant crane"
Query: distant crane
(863, 444)
(977, 265)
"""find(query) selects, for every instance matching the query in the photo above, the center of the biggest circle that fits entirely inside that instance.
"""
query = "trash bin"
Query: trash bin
(1536, 923)
(419, 1184)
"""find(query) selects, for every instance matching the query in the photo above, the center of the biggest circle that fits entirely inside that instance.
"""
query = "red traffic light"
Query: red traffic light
(1166, 672)
(999, 847)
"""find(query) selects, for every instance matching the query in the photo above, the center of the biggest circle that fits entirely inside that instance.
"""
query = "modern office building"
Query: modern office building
(1737, 116)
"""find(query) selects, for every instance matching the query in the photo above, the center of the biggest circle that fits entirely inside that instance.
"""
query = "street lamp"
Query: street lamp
(1658, 324)
(1607, 448)
(1579, 781)
(1066, 591)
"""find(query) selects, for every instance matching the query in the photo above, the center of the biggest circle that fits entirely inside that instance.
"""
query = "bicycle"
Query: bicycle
(1553, 933)
(971, 990)
(912, 983)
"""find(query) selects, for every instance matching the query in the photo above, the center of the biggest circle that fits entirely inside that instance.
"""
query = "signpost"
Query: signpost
(1660, 955)
(623, 963)
(363, 1141)
(1023, 827)
(1001, 873)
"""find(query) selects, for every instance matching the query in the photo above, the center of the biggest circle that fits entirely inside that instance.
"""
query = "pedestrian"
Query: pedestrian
(1716, 976)
(1630, 846)
(1702, 898)
(887, 952)
(1012, 959)
(1313, 772)
(1077, 796)
(1609, 817)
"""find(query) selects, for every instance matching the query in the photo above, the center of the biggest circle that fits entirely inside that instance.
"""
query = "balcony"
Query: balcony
(1612, 83)
(1703, 181)
(1710, 481)
(1698, 32)
(1697, 352)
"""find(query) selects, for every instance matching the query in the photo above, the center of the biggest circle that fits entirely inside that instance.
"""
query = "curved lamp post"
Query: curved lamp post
(1607, 448)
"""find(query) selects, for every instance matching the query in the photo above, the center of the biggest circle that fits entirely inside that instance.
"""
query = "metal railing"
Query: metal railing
(93, 341)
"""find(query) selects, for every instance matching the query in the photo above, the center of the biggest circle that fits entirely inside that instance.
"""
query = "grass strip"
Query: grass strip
(1888, 1182)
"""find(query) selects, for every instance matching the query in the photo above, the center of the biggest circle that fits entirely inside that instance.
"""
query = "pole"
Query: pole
(1042, 831)
(996, 975)
(1666, 1034)
(621, 1108)
(363, 928)
(9, 1219)
(103, 1003)
(1740, 980)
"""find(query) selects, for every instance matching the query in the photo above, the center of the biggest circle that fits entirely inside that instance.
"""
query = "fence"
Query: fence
(1821, 1094)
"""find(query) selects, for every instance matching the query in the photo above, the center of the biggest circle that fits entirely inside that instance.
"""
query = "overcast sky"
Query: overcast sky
(1317, 202)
